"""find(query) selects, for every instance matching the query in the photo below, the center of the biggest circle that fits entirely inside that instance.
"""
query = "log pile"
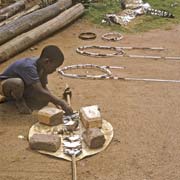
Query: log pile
(26, 29)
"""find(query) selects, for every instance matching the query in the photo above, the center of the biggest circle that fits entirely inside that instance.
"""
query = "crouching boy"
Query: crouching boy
(25, 81)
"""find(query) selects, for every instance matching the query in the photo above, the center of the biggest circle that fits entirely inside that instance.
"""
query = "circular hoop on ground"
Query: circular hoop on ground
(87, 36)
(112, 36)
(118, 51)
(85, 66)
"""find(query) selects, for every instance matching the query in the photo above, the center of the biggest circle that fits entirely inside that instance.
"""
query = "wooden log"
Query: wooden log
(31, 3)
(20, 14)
(16, 7)
(12, 9)
(32, 20)
(29, 38)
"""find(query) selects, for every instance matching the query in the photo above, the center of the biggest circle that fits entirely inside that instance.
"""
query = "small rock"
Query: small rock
(94, 138)
(45, 142)
(21, 137)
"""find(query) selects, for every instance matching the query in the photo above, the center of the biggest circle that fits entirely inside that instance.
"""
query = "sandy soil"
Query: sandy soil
(145, 115)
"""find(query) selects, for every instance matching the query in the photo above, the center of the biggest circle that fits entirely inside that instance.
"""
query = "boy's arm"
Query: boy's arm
(58, 102)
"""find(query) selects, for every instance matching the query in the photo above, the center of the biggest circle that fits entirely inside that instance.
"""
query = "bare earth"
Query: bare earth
(145, 115)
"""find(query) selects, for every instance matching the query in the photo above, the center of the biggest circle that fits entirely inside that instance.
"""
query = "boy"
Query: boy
(25, 81)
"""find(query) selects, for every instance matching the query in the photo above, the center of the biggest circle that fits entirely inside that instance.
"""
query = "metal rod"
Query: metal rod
(113, 67)
(74, 171)
(68, 96)
(144, 48)
(173, 58)
(152, 80)
(73, 157)
(145, 57)
(69, 100)
(153, 57)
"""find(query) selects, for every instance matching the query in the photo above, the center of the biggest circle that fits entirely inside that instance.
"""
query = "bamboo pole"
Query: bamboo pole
(29, 38)
(32, 20)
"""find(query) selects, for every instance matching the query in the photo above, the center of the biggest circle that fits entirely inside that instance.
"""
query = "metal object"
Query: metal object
(152, 80)
(87, 36)
(74, 116)
(74, 168)
(144, 48)
(73, 138)
(72, 125)
(154, 57)
(72, 145)
(67, 94)
(119, 51)
(105, 70)
(158, 12)
(76, 151)
(112, 36)
(113, 67)
(108, 74)
(71, 152)
(71, 122)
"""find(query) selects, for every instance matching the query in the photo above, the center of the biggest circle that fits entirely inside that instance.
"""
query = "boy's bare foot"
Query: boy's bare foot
(22, 107)
(2, 99)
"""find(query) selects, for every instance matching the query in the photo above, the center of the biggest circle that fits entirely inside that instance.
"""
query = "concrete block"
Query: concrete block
(50, 116)
(45, 142)
(91, 117)
(94, 138)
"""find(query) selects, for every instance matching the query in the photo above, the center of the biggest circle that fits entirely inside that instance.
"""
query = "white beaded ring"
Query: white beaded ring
(112, 36)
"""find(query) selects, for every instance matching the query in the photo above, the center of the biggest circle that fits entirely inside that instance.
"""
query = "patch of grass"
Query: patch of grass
(96, 12)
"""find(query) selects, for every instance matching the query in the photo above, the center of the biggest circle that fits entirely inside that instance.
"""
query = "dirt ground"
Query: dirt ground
(145, 115)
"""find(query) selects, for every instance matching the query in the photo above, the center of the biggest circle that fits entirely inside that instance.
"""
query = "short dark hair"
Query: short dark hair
(52, 52)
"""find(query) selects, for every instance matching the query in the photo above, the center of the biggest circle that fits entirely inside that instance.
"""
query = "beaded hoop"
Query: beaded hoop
(107, 75)
(109, 36)
(118, 51)
(85, 66)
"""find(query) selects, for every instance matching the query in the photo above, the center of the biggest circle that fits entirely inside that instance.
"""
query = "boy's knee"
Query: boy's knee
(37, 101)
(13, 87)
(18, 81)
(19, 84)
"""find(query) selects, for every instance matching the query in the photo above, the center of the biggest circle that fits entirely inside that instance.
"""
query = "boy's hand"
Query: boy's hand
(56, 101)
(68, 110)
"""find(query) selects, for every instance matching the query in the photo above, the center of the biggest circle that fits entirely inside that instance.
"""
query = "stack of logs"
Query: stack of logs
(24, 23)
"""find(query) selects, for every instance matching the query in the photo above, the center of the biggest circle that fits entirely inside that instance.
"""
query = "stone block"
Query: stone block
(45, 142)
(91, 117)
(94, 138)
(50, 116)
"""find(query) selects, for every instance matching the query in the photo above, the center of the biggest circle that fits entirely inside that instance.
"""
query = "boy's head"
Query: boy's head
(51, 58)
